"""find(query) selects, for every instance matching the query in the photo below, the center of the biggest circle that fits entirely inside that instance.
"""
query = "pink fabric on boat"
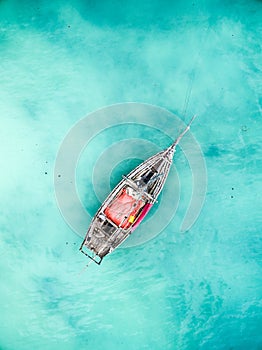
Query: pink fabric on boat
(122, 207)
(142, 216)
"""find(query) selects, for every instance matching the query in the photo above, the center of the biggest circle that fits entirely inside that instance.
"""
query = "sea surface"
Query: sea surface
(61, 61)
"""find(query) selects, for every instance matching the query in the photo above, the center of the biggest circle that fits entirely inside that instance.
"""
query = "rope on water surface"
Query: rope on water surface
(192, 75)
(188, 93)
(84, 269)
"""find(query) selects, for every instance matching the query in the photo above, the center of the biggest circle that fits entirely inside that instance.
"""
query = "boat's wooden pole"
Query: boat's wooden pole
(173, 146)
(185, 131)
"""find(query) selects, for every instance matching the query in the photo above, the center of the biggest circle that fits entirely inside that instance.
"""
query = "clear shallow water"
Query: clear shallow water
(198, 290)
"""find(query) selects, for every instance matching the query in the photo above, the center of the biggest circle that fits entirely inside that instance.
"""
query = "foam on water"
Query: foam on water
(64, 59)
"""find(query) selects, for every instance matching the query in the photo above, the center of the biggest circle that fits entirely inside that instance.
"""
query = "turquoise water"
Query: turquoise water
(60, 61)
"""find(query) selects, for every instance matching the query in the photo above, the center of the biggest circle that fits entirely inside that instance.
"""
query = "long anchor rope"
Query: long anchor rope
(192, 75)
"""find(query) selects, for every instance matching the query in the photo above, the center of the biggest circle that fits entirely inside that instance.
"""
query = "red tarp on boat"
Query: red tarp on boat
(123, 209)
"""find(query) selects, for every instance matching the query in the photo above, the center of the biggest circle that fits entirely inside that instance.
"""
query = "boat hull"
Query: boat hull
(126, 206)
(129, 203)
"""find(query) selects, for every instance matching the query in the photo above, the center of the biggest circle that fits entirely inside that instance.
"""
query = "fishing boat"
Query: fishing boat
(128, 204)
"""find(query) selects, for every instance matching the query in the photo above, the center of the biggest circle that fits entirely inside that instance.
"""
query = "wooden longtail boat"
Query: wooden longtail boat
(128, 204)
